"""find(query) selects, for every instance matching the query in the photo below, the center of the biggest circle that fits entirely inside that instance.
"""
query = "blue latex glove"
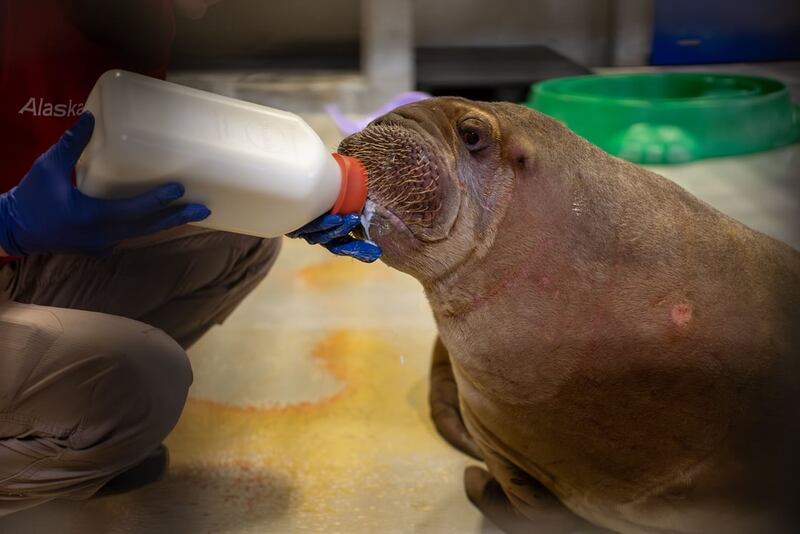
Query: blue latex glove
(333, 232)
(46, 213)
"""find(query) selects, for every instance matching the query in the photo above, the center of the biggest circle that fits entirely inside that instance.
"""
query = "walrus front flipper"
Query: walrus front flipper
(443, 401)
(534, 508)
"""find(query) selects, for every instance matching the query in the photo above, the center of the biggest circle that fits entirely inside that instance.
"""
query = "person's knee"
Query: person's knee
(162, 371)
(141, 388)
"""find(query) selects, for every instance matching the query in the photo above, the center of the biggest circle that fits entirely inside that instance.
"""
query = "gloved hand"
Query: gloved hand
(333, 232)
(46, 213)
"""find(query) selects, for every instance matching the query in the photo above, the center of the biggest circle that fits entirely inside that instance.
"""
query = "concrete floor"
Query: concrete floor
(308, 412)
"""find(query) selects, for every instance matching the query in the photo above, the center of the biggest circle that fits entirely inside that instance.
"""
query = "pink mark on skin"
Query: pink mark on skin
(681, 314)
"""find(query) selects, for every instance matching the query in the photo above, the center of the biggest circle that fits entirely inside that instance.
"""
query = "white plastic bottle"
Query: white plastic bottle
(261, 171)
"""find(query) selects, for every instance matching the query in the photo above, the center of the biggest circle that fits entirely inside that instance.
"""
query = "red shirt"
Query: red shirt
(51, 54)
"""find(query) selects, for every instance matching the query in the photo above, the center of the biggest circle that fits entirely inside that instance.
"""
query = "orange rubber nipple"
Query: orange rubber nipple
(353, 194)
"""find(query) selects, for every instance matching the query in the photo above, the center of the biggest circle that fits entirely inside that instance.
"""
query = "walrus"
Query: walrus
(619, 353)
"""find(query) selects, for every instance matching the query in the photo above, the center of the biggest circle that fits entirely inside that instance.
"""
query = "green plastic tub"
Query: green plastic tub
(672, 117)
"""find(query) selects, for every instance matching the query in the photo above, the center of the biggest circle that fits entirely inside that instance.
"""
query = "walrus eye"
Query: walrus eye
(471, 137)
(473, 134)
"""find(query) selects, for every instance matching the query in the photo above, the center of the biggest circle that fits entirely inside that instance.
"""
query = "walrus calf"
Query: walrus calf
(618, 352)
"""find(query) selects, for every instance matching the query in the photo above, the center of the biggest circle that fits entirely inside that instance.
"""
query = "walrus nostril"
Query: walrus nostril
(402, 174)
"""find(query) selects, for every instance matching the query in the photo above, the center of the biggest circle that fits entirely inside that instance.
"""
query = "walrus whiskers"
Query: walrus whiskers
(401, 174)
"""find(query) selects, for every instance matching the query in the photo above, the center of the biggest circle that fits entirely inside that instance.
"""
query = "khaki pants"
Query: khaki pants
(93, 373)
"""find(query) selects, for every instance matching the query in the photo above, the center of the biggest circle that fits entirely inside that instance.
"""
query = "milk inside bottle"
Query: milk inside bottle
(261, 171)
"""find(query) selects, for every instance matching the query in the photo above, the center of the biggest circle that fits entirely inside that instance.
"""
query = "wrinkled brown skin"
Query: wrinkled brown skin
(623, 354)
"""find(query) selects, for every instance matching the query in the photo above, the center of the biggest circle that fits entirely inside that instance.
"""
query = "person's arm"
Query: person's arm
(46, 213)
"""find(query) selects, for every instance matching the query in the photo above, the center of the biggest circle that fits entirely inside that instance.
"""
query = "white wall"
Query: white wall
(579, 29)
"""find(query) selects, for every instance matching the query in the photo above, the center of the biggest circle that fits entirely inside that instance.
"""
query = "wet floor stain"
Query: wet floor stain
(255, 368)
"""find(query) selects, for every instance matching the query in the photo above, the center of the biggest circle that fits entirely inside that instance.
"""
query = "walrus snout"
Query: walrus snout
(431, 186)
(403, 172)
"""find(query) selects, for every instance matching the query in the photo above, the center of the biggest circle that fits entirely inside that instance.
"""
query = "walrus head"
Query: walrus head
(441, 172)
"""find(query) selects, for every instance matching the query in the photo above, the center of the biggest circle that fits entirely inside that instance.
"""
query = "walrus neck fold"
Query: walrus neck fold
(462, 301)
(458, 294)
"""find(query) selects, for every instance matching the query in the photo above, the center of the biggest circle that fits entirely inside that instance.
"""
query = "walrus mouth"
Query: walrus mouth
(403, 175)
